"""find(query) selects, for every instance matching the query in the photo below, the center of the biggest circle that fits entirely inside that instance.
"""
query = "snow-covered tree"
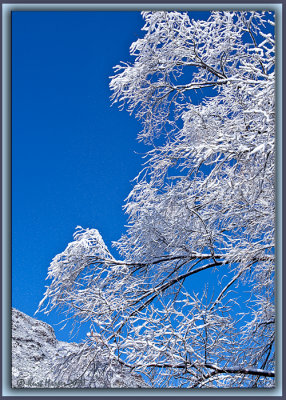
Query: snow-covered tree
(191, 302)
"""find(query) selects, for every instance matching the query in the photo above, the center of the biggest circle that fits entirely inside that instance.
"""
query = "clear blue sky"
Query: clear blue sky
(73, 155)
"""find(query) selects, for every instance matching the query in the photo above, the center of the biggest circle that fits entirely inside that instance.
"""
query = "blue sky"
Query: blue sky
(73, 155)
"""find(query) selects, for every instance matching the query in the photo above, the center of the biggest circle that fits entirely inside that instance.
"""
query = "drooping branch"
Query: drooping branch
(244, 371)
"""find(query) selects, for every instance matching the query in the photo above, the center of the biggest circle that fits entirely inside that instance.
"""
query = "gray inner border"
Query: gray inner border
(6, 200)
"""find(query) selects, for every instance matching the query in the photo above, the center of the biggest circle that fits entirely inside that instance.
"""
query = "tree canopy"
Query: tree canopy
(191, 302)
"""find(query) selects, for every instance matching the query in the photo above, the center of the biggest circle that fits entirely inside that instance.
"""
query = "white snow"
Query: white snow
(36, 352)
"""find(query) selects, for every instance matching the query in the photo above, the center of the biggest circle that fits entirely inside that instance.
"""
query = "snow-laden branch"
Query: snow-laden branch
(190, 302)
(244, 371)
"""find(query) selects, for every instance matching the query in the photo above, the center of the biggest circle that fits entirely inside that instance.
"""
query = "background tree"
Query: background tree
(191, 303)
